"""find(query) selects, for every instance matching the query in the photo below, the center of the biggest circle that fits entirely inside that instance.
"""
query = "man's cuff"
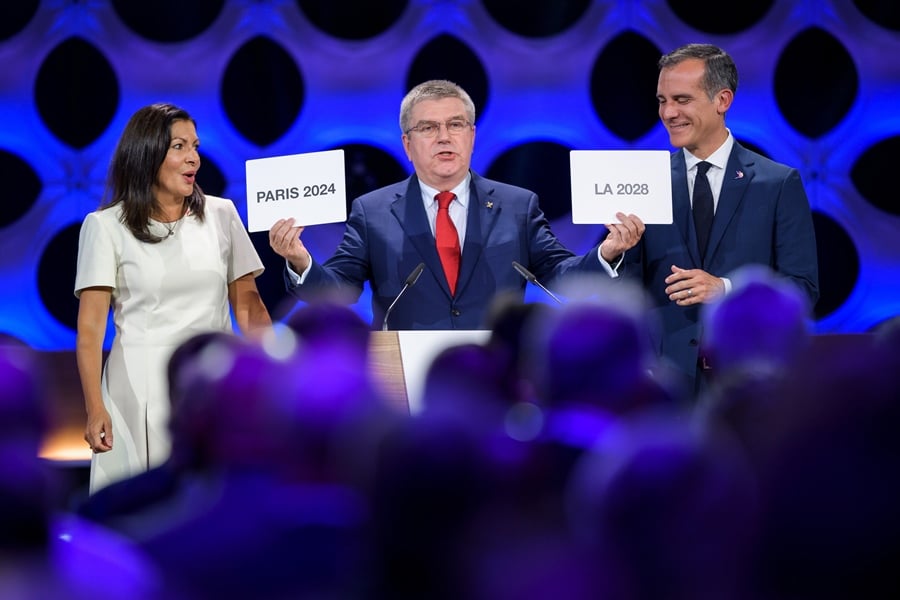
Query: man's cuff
(611, 269)
(294, 277)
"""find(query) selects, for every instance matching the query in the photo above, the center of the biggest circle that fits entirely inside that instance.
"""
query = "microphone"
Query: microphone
(529, 276)
(410, 281)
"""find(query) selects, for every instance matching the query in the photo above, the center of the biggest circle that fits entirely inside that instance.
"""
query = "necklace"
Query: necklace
(171, 227)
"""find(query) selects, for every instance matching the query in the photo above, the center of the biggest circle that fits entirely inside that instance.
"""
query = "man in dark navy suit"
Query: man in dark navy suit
(758, 212)
(392, 230)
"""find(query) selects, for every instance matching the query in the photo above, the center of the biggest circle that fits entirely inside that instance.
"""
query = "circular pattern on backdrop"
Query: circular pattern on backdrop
(76, 92)
(262, 91)
(538, 19)
(707, 16)
(210, 177)
(623, 86)
(23, 186)
(168, 20)
(868, 177)
(838, 264)
(561, 75)
(14, 16)
(886, 14)
(367, 168)
(446, 57)
(353, 19)
(56, 276)
(543, 168)
(799, 89)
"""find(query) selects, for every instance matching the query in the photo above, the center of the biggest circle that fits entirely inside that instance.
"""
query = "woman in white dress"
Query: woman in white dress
(172, 263)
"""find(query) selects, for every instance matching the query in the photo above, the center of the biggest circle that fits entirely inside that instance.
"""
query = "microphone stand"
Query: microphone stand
(529, 276)
(410, 281)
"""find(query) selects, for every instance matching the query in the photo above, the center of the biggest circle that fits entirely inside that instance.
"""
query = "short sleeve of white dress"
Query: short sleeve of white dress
(243, 257)
(96, 255)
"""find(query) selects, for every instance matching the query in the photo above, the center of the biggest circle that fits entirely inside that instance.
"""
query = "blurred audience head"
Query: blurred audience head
(762, 325)
(432, 479)
(329, 326)
(830, 528)
(198, 350)
(225, 411)
(510, 322)
(596, 352)
(887, 337)
(465, 382)
(335, 410)
(510, 318)
(669, 510)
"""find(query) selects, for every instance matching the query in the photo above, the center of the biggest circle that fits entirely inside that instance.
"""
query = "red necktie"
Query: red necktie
(447, 239)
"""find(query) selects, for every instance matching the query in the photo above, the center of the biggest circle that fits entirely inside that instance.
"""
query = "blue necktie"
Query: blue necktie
(702, 207)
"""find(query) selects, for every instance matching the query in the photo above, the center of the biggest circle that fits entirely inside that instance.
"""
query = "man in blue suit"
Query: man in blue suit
(759, 210)
(392, 230)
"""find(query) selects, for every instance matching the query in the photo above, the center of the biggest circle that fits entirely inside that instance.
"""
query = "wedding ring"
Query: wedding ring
(690, 293)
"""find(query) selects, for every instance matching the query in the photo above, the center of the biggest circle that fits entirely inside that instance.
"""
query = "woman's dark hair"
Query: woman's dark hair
(140, 153)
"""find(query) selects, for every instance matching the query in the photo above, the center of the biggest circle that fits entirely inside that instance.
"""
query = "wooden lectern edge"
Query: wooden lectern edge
(386, 368)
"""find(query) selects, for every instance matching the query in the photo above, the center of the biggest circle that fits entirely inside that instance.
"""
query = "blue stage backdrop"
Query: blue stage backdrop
(819, 89)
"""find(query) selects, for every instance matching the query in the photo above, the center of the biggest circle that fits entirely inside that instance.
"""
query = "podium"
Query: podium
(399, 361)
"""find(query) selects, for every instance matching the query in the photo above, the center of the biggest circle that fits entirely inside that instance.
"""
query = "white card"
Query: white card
(309, 187)
(605, 182)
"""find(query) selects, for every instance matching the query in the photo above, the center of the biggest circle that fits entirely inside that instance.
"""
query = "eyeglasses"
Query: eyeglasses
(432, 128)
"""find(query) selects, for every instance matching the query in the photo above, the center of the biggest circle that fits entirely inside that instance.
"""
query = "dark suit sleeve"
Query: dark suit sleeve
(549, 260)
(347, 270)
(795, 238)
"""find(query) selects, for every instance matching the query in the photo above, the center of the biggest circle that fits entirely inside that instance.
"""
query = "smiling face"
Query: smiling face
(693, 120)
(176, 176)
(441, 161)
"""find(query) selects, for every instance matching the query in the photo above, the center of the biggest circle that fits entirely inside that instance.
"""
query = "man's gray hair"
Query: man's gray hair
(436, 89)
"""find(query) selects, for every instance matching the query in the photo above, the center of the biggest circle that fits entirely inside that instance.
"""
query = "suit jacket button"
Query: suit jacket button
(455, 312)
(693, 342)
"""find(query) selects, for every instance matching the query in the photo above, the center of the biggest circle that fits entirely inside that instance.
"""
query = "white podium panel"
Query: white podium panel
(399, 361)
(419, 348)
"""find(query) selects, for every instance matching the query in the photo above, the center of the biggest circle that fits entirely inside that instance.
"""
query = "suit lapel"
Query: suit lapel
(738, 175)
(482, 213)
(411, 215)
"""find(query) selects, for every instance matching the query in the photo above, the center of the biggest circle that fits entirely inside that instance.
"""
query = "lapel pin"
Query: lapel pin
(738, 174)
(489, 204)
